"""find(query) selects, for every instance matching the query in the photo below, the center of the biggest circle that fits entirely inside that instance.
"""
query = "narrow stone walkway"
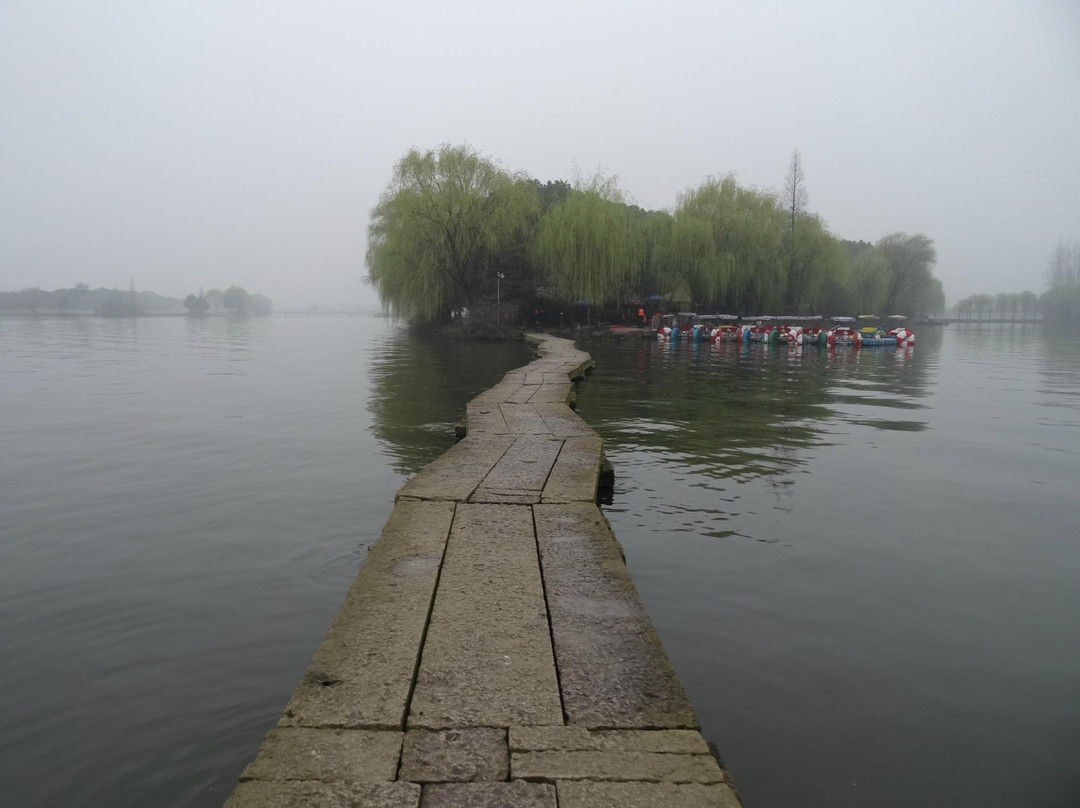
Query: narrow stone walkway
(493, 650)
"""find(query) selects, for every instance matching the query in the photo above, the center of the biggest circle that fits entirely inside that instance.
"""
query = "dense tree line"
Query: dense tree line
(82, 299)
(115, 303)
(1002, 306)
(453, 231)
(236, 299)
(1060, 303)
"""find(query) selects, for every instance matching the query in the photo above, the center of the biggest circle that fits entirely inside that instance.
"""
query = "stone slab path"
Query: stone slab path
(493, 650)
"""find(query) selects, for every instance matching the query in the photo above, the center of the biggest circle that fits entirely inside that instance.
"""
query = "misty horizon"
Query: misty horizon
(247, 146)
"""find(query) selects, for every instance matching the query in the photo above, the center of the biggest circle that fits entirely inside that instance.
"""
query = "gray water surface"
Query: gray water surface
(184, 504)
(866, 567)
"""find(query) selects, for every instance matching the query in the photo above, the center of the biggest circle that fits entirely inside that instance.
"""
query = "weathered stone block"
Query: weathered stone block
(624, 766)
(454, 756)
(543, 739)
(501, 391)
(562, 374)
(580, 794)
(505, 496)
(571, 739)
(485, 417)
(520, 474)
(563, 422)
(362, 672)
(537, 373)
(667, 741)
(487, 660)
(523, 419)
(555, 393)
(613, 671)
(457, 473)
(523, 394)
(574, 476)
(350, 755)
(314, 794)
(517, 794)
(559, 393)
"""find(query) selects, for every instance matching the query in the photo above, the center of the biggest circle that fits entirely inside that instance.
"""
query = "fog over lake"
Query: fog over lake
(188, 145)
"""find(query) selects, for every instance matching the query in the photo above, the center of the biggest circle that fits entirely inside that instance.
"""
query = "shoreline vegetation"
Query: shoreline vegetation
(1059, 305)
(456, 239)
(83, 301)
(460, 247)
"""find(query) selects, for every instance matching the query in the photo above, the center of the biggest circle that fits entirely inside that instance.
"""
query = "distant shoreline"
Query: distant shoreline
(208, 316)
(70, 314)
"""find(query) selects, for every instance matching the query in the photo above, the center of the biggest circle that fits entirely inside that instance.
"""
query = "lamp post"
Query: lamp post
(498, 297)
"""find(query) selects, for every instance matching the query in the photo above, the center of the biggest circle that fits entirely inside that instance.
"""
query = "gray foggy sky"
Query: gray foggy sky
(194, 144)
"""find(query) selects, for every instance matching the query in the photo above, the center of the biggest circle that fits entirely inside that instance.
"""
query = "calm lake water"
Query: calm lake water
(865, 566)
(184, 504)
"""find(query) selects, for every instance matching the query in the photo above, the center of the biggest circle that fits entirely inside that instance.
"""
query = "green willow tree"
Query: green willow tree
(589, 245)
(441, 228)
(741, 268)
(909, 262)
(746, 250)
(869, 277)
(451, 221)
(654, 228)
(814, 259)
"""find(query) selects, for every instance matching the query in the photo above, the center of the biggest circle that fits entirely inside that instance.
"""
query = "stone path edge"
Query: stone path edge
(423, 694)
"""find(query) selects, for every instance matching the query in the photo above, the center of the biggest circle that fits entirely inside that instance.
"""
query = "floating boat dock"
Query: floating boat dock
(493, 650)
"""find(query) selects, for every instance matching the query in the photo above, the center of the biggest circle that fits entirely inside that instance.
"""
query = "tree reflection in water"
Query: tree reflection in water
(720, 416)
(421, 386)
